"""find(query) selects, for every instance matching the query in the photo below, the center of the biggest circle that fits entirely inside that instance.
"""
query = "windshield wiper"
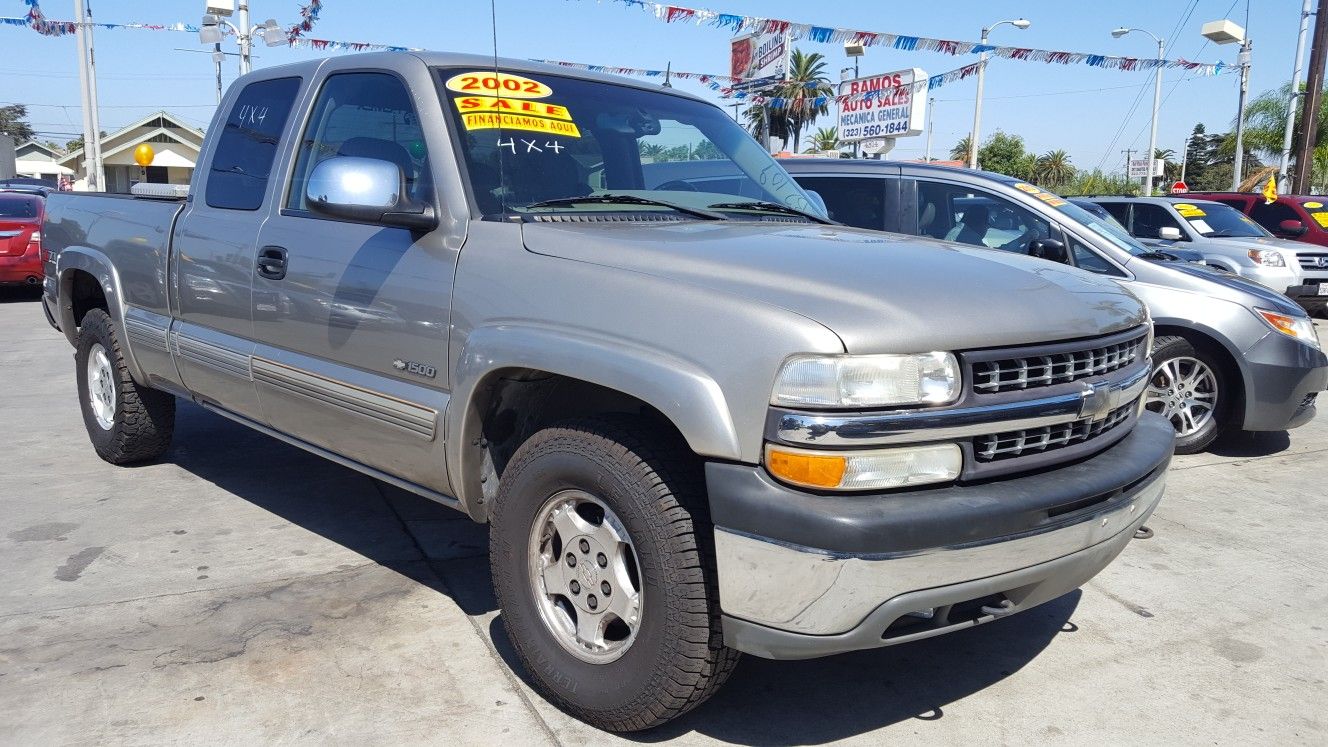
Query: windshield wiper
(612, 199)
(1158, 256)
(771, 207)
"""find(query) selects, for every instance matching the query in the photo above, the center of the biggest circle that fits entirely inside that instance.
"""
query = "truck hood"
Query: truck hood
(879, 292)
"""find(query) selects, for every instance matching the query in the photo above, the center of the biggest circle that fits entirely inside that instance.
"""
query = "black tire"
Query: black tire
(1172, 348)
(144, 418)
(677, 659)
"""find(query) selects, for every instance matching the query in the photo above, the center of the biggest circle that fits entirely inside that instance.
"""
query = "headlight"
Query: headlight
(864, 470)
(1267, 257)
(1299, 327)
(867, 380)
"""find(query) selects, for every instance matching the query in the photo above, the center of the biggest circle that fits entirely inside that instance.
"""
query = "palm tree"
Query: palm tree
(960, 150)
(805, 84)
(826, 139)
(1053, 167)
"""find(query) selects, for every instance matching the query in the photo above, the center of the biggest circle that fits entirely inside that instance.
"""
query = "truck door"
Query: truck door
(351, 318)
(214, 248)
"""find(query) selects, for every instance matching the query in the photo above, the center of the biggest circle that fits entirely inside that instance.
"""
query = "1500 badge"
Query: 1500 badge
(419, 369)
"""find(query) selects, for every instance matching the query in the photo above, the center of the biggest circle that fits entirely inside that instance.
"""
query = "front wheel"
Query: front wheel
(1189, 389)
(602, 565)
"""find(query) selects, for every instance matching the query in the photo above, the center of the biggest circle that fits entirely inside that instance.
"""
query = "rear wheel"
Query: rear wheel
(1189, 389)
(603, 567)
(126, 422)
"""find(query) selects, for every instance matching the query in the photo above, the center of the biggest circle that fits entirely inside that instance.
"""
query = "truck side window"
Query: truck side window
(1150, 219)
(247, 146)
(857, 201)
(1270, 216)
(1119, 210)
(971, 216)
(368, 115)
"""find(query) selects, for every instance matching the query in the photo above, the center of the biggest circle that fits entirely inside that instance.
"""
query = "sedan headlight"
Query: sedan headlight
(859, 381)
(1299, 327)
(865, 470)
(1267, 257)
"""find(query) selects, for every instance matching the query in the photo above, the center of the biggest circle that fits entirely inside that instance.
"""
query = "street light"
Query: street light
(1228, 32)
(1157, 100)
(1019, 23)
(853, 48)
(214, 29)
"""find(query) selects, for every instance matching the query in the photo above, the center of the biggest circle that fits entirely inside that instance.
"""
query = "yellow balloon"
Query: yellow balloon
(143, 155)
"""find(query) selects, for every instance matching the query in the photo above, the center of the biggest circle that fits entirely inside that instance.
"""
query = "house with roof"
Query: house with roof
(40, 161)
(175, 145)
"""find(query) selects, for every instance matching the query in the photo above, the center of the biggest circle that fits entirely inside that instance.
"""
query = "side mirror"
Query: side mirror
(1049, 249)
(1292, 228)
(365, 189)
(1169, 233)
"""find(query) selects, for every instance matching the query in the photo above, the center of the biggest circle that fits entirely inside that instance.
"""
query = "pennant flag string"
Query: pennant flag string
(832, 35)
(308, 17)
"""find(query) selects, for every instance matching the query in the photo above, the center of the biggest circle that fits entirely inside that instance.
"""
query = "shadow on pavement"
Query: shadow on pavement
(791, 702)
(1252, 444)
(20, 293)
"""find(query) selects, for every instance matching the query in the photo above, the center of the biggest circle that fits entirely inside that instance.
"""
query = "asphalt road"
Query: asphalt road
(242, 591)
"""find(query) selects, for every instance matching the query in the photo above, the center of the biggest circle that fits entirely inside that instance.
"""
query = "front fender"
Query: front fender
(685, 393)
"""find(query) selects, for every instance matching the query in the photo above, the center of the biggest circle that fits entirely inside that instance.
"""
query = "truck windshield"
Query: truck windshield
(537, 143)
(1215, 220)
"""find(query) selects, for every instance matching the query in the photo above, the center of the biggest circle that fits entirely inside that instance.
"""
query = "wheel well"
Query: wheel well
(85, 294)
(1230, 369)
(512, 404)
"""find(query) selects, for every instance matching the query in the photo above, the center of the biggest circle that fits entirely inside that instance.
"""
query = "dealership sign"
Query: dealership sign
(758, 56)
(889, 105)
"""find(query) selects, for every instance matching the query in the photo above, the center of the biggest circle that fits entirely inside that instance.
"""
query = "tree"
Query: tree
(707, 151)
(1005, 154)
(825, 139)
(806, 83)
(14, 122)
(1053, 168)
(960, 150)
(77, 143)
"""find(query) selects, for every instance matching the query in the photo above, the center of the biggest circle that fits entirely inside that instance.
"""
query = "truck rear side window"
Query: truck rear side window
(248, 143)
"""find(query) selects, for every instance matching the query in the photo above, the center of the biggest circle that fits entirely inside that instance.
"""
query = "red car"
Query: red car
(20, 238)
(1296, 217)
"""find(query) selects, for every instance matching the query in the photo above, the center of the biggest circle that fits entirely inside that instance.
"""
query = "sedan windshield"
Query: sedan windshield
(1215, 220)
(536, 143)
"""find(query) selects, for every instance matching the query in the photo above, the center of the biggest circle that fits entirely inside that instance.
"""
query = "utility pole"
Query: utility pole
(1284, 165)
(1128, 152)
(1243, 59)
(1313, 95)
(245, 40)
(1185, 156)
(87, 81)
(931, 103)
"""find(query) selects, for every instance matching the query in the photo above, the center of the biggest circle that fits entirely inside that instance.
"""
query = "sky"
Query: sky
(1092, 113)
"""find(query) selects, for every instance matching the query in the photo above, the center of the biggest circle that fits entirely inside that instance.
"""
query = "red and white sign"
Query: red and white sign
(896, 107)
(757, 56)
(1179, 188)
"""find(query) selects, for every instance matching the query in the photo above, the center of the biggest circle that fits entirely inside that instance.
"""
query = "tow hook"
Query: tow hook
(1143, 533)
(1000, 610)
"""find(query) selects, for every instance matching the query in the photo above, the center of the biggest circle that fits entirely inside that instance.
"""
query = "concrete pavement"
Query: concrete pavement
(242, 591)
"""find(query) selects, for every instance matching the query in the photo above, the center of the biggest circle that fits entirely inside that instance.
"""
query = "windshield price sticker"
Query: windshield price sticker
(1321, 219)
(1313, 205)
(1187, 210)
(465, 104)
(506, 85)
(493, 121)
(1047, 197)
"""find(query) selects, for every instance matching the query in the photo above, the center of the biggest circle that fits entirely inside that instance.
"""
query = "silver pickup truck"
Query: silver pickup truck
(698, 423)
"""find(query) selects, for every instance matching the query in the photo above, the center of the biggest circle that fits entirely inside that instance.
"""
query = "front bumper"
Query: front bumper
(804, 575)
(1281, 376)
(1307, 294)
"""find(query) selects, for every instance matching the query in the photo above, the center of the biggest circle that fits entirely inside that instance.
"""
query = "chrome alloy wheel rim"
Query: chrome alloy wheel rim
(101, 386)
(1184, 391)
(585, 577)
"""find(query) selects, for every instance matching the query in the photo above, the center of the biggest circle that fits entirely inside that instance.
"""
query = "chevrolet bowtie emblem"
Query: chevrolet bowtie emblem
(1096, 402)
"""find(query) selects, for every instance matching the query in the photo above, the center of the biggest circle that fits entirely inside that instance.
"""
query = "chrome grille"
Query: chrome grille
(1011, 444)
(1030, 371)
(1312, 260)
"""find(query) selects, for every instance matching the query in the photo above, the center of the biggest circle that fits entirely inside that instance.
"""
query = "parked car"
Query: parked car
(20, 238)
(1225, 237)
(1231, 355)
(1297, 218)
(1171, 253)
(698, 422)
